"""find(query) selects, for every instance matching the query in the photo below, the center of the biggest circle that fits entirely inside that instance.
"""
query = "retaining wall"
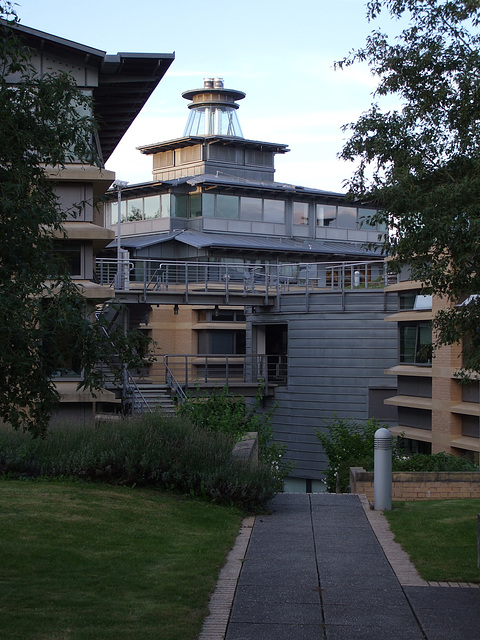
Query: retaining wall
(412, 485)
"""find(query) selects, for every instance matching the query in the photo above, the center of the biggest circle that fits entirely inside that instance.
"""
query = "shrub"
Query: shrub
(433, 462)
(347, 443)
(351, 444)
(157, 451)
(228, 414)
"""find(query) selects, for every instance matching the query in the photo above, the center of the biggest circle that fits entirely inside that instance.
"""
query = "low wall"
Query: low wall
(247, 449)
(414, 485)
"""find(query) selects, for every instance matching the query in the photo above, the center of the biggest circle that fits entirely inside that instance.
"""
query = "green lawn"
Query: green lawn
(439, 536)
(83, 561)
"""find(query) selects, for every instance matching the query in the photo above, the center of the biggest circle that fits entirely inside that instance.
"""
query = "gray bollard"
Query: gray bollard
(382, 482)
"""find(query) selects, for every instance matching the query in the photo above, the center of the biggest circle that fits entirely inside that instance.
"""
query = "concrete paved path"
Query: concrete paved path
(314, 570)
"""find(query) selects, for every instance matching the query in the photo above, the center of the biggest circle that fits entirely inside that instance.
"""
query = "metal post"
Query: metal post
(119, 278)
(382, 486)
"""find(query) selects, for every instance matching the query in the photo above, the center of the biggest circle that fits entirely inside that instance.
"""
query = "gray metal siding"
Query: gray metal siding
(336, 353)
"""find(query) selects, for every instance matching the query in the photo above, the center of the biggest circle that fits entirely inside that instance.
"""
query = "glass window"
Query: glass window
(250, 208)
(416, 343)
(407, 300)
(219, 342)
(195, 205)
(208, 205)
(347, 218)
(111, 209)
(325, 215)
(300, 213)
(123, 211)
(274, 211)
(180, 203)
(165, 200)
(227, 207)
(61, 352)
(134, 209)
(365, 219)
(71, 255)
(151, 207)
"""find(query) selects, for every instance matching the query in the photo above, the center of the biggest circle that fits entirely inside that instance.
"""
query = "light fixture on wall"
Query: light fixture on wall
(215, 311)
(175, 310)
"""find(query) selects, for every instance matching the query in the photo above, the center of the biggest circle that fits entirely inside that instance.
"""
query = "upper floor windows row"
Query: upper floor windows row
(246, 208)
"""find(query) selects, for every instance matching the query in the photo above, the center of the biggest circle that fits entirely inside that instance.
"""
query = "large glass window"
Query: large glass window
(165, 205)
(134, 209)
(227, 206)
(195, 205)
(365, 218)
(251, 209)
(300, 213)
(208, 205)
(347, 218)
(274, 211)
(416, 343)
(325, 215)
(151, 207)
(180, 206)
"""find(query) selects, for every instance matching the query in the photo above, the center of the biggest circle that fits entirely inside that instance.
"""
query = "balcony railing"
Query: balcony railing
(193, 370)
(263, 279)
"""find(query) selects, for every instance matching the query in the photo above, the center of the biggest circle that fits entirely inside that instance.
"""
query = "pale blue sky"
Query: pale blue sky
(279, 52)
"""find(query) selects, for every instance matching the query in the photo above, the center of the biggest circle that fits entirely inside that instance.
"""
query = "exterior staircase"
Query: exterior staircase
(152, 397)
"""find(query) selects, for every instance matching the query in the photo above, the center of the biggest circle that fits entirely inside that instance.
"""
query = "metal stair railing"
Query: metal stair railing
(173, 383)
(129, 386)
(139, 402)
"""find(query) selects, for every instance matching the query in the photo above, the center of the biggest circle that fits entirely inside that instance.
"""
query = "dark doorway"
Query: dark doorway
(272, 340)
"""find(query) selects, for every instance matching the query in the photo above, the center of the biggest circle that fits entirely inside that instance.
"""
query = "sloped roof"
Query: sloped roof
(239, 242)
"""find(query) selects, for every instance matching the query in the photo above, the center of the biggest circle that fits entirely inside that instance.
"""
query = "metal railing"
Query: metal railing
(213, 277)
(191, 370)
(175, 387)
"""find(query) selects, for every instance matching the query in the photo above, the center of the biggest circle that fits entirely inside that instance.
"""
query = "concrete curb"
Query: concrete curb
(215, 624)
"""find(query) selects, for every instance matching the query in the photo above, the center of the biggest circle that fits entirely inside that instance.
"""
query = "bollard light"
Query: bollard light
(382, 476)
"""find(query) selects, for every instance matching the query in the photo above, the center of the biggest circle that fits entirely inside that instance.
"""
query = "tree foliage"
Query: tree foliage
(45, 122)
(420, 163)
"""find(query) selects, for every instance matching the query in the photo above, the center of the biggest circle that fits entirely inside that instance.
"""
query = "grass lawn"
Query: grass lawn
(439, 536)
(82, 561)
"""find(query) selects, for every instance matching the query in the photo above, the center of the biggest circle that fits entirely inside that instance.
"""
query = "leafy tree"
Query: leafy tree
(43, 124)
(420, 163)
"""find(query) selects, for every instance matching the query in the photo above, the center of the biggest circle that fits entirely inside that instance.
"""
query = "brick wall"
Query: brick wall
(421, 485)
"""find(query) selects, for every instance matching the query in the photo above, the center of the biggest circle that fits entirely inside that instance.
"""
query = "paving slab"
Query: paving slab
(447, 613)
(325, 567)
(321, 555)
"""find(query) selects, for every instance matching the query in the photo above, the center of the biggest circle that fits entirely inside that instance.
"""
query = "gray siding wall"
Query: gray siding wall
(337, 351)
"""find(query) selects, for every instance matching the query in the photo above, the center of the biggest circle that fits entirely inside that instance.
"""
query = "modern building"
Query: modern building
(241, 278)
(436, 411)
(119, 85)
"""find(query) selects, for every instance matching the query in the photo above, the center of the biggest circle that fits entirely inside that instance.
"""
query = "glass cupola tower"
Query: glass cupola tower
(213, 110)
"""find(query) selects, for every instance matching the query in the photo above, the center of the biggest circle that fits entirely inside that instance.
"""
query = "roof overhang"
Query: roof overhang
(190, 141)
(125, 80)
